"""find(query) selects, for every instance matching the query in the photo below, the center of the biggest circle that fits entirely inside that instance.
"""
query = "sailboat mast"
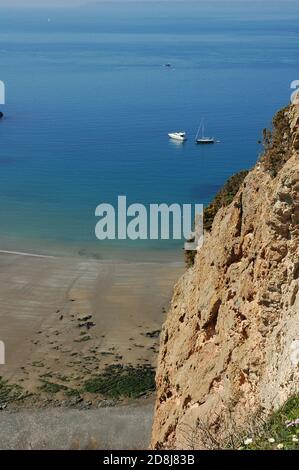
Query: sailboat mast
(198, 130)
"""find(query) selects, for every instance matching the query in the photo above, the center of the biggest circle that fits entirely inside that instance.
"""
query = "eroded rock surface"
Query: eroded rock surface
(230, 343)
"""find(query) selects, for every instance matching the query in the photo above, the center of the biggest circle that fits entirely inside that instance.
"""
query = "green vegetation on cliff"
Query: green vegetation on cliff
(222, 199)
(281, 430)
(277, 143)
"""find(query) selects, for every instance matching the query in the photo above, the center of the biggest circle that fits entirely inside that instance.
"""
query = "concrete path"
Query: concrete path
(122, 427)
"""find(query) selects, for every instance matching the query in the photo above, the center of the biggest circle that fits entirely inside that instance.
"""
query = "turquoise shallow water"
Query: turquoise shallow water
(89, 105)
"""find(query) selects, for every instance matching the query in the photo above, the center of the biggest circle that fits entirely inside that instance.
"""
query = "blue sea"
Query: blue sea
(89, 104)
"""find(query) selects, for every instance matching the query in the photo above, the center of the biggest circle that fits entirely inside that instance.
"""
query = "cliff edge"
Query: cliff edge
(230, 345)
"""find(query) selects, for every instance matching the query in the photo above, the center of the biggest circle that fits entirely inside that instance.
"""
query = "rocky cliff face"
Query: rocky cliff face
(230, 344)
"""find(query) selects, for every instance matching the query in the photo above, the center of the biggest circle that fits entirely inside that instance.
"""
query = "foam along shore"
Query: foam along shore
(21, 253)
(65, 319)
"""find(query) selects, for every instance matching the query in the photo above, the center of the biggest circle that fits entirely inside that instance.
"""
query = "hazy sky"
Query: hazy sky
(63, 3)
(40, 2)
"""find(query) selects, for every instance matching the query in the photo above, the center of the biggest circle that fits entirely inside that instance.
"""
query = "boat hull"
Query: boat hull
(205, 141)
(177, 137)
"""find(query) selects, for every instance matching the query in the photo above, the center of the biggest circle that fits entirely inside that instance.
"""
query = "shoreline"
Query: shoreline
(117, 253)
(167, 260)
(21, 253)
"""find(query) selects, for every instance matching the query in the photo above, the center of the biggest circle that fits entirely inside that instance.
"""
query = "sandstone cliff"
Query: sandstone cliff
(230, 345)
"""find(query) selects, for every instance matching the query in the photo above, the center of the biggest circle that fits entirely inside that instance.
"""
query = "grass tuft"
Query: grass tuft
(118, 381)
(9, 392)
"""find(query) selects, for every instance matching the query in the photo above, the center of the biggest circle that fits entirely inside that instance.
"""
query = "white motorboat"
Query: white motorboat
(181, 136)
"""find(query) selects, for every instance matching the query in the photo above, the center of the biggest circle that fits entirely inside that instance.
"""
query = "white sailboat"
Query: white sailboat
(202, 139)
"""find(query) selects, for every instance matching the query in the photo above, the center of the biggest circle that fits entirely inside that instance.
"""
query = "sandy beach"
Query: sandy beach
(65, 319)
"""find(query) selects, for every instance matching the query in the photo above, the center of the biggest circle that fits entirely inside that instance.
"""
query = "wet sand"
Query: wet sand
(67, 318)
